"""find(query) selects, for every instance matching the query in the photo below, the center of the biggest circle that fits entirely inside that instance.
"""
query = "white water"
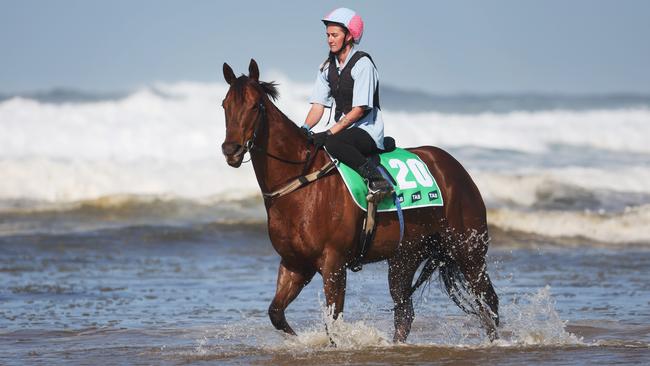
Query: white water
(529, 320)
(165, 141)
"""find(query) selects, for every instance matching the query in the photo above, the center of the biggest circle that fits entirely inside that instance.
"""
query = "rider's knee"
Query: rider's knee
(332, 145)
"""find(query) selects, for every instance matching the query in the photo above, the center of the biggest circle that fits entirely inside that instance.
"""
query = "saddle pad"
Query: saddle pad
(415, 185)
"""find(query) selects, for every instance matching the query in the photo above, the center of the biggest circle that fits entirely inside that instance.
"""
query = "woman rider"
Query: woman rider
(350, 78)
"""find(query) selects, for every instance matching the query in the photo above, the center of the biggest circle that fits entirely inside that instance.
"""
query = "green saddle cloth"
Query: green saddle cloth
(416, 187)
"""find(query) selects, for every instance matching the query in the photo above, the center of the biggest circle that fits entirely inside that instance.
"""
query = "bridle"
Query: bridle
(250, 144)
(296, 183)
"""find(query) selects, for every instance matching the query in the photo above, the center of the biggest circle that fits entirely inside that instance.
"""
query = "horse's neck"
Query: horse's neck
(282, 139)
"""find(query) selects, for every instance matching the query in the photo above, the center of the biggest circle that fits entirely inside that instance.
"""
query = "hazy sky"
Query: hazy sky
(569, 46)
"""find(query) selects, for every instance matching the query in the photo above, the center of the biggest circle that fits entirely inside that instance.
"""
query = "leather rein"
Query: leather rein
(250, 143)
(296, 183)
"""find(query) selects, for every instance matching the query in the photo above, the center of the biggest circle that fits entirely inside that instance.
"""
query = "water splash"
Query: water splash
(202, 348)
(529, 320)
(532, 320)
(347, 336)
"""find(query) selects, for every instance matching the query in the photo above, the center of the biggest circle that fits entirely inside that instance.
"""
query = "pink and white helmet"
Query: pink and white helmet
(348, 19)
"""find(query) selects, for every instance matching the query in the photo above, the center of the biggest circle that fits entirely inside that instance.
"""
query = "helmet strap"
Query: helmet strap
(345, 41)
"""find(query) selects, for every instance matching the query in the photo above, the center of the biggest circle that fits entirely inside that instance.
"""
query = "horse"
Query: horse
(316, 228)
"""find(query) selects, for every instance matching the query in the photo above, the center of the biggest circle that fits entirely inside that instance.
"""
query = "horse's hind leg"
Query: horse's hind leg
(289, 285)
(464, 274)
(401, 270)
(481, 288)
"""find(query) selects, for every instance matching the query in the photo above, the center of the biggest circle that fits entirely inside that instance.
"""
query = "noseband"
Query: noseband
(250, 143)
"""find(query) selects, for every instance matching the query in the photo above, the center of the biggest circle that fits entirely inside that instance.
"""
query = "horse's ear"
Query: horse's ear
(253, 71)
(228, 74)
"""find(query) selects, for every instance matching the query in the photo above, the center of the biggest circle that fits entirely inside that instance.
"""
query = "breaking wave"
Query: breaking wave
(557, 172)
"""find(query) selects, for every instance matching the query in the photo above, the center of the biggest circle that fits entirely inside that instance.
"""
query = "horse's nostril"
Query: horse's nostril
(230, 148)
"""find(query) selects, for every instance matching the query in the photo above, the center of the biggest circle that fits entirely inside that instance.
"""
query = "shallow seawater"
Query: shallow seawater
(199, 293)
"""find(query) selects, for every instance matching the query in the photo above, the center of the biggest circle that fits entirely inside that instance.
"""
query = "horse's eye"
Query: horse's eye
(255, 107)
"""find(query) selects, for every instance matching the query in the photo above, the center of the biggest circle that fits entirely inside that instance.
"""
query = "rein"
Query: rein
(301, 181)
(296, 183)
(250, 144)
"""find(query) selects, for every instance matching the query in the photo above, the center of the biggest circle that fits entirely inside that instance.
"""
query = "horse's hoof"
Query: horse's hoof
(493, 335)
(332, 343)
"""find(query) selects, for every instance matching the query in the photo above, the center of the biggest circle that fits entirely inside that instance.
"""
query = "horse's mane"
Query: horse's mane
(268, 88)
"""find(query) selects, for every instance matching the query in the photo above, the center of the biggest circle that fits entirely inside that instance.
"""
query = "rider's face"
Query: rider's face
(336, 37)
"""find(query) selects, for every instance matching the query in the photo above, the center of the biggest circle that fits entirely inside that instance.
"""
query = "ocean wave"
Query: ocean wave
(553, 226)
(190, 125)
(19, 217)
(393, 98)
(615, 130)
(627, 227)
(63, 180)
(165, 140)
(572, 188)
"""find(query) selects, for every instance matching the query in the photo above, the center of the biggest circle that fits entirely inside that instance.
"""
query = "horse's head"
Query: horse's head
(245, 111)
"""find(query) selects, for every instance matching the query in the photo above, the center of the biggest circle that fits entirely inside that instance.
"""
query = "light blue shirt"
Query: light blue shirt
(366, 80)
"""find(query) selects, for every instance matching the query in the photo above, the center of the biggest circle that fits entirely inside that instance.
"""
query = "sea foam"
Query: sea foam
(165, 140)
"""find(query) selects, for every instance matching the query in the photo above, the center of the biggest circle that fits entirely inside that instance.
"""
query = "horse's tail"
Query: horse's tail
(451, 276)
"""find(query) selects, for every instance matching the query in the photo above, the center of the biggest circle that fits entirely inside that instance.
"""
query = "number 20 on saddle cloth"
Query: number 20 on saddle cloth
(415, 185)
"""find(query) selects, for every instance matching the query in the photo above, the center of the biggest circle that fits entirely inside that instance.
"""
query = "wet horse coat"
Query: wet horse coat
(316, 228)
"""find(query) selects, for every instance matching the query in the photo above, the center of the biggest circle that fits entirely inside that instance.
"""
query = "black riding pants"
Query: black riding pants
(351, 146)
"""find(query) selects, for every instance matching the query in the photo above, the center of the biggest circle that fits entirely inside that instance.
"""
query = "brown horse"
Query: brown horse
(316, 228)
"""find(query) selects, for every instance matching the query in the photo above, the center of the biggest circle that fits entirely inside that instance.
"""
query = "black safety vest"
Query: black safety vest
(342, 86)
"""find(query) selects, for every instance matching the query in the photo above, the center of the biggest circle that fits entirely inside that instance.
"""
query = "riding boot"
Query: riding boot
(378, 187)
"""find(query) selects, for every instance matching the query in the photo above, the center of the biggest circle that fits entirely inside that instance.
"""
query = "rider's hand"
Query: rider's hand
(320, 138)
(305, 131)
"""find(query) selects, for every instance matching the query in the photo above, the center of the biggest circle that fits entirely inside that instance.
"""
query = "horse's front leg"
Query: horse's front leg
(334, 280)
(289, 285)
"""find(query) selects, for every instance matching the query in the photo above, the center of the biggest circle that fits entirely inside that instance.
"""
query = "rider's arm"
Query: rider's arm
(348, 119)
(320, 99)
(314, 115)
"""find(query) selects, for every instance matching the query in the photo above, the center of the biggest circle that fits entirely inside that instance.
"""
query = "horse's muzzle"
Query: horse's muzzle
(234, 153)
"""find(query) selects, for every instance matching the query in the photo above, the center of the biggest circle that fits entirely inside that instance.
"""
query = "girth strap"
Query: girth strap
(366, 237)
(369, 226)
(301, 181)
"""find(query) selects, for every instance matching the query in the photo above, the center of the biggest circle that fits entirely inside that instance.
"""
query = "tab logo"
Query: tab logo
(416, 197)
(401, 198)
(433, 195)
